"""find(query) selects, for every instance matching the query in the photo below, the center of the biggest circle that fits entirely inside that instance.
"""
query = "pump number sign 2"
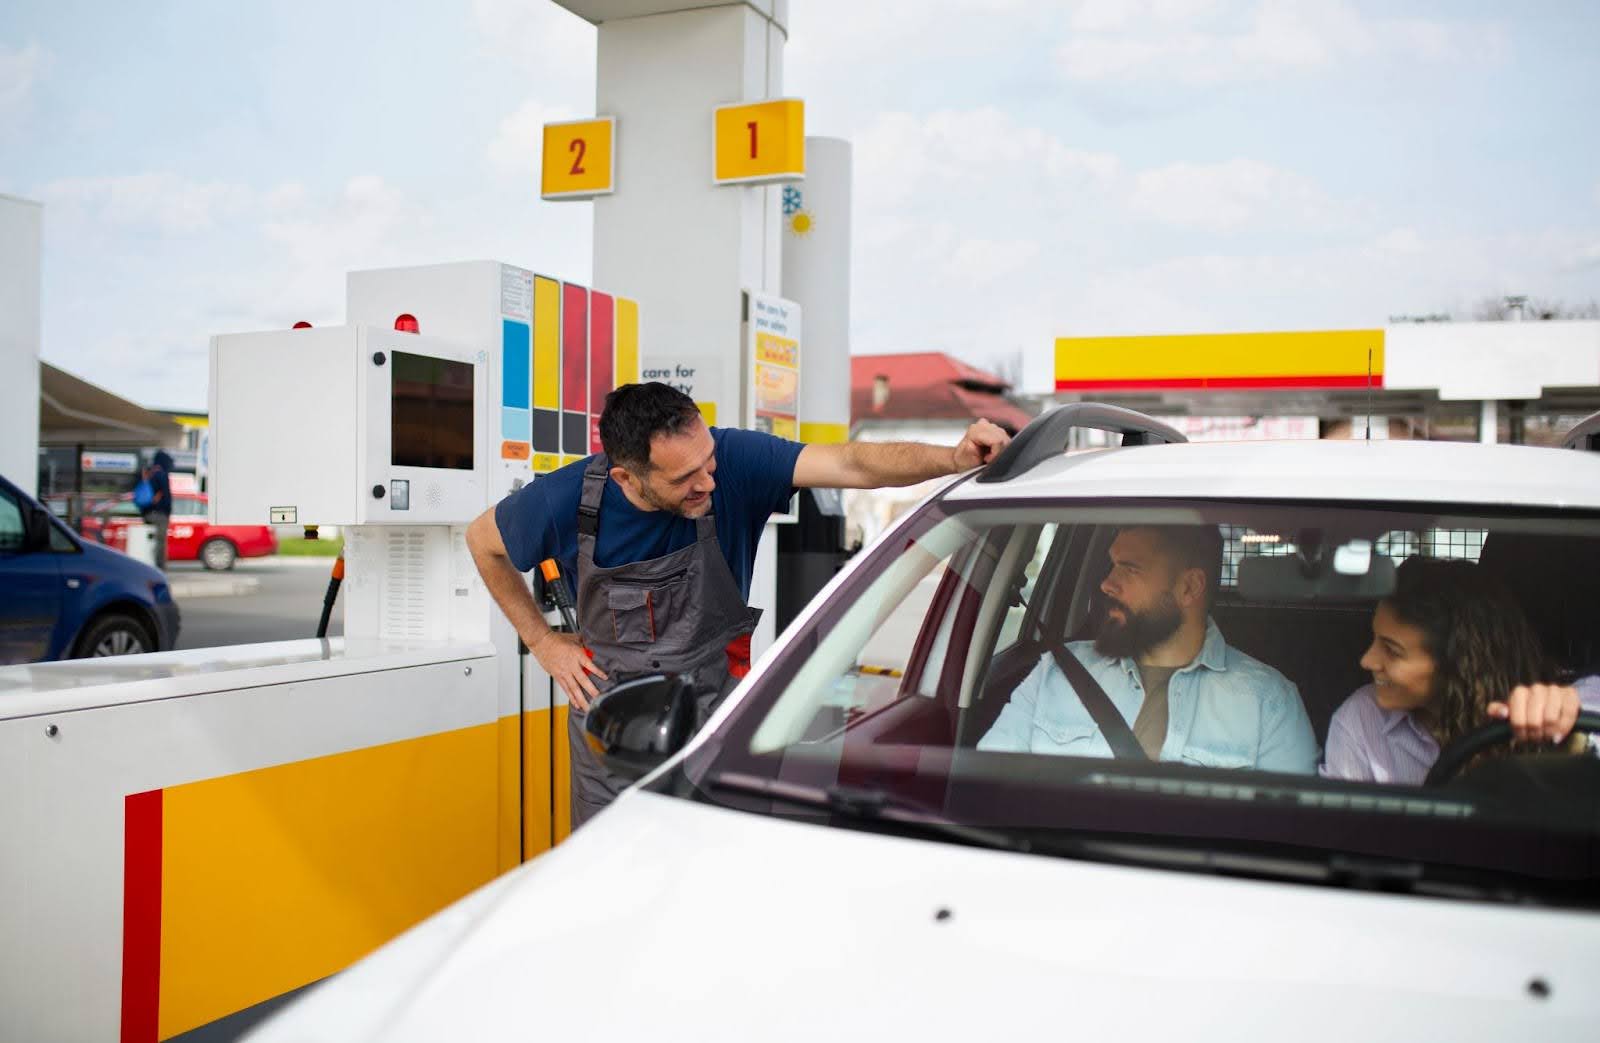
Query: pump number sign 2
(764, 141)
(579, 159)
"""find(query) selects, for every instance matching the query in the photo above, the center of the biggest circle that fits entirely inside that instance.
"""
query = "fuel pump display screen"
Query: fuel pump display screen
(431, 412)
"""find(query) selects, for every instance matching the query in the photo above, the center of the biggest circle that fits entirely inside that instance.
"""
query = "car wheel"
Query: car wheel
(218, 554)
(114, 634)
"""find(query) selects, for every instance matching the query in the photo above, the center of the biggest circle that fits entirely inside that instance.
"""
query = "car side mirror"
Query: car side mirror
(641, 722)
(38, 526)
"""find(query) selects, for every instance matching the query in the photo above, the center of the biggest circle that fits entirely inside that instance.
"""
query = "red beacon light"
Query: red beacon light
(407, 323)
(302, 325)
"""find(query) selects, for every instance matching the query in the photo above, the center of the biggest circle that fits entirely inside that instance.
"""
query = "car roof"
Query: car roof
(1360, 471)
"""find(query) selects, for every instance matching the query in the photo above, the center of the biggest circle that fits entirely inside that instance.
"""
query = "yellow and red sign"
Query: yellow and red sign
(764, 141)
(579, 159)
(1221, 361)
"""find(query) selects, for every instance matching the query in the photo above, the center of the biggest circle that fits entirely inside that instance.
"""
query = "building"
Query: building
(926, 397)
(922, 397)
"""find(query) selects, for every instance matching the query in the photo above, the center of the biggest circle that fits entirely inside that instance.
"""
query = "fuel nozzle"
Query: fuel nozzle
(557, 585)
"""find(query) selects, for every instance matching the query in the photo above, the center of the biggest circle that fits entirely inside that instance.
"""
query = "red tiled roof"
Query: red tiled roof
(930, 385)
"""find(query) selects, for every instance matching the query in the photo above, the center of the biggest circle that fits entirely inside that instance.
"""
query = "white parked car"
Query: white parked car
(857, 846)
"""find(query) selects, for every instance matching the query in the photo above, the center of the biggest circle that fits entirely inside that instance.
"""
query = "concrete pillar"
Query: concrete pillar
(1488, 421)
(816, 275)
(21, 225)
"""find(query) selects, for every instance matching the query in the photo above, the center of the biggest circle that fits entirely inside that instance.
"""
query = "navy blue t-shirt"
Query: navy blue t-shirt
(754, 476)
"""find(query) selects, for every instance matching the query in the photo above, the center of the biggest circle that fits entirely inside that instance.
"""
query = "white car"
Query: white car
(834, 857)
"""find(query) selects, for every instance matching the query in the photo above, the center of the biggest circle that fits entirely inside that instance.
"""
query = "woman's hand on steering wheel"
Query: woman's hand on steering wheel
(1538, 712)
(1459, 753)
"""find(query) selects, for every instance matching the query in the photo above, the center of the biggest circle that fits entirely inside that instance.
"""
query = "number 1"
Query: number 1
(752, 126)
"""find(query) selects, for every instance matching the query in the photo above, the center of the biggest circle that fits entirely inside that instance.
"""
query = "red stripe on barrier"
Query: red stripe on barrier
(141, 917)
(1357, 380)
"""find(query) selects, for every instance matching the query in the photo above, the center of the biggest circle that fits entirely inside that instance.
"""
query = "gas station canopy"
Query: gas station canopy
(1417, 369)
(73, 411)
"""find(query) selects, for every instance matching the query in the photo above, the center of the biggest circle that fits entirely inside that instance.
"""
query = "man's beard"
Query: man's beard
(660, 504)
(1140, 631)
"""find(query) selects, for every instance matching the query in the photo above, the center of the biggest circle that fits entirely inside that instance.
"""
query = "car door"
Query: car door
(186, 530)
(31, 579)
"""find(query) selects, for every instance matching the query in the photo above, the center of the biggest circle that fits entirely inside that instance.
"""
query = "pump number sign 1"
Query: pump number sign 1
(764, 141)
(579, 159)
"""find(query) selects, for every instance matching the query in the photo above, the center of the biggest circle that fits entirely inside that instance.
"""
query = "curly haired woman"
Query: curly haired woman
(1451, 650)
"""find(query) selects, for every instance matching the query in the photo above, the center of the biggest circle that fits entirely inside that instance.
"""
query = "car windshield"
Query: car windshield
(1200, 679)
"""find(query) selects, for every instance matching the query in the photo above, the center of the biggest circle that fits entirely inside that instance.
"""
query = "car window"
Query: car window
(188, 505)
(119, 509)
(917, 678)
(60, 541)
(13, 534)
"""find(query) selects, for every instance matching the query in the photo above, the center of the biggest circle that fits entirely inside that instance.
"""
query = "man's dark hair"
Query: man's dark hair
(1193, 547)
(635, 414)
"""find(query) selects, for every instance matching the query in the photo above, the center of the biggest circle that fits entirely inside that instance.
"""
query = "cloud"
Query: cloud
(516, 148)
(165, 202)
(20, 69)
(1220, 196)
(540, 36)
(1197, 42)
(1400, 241)
(900, 156)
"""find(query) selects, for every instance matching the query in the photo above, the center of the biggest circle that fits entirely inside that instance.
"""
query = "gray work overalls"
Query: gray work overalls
(676, 614)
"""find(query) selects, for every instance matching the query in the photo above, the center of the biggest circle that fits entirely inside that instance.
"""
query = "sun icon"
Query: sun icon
(801, 222)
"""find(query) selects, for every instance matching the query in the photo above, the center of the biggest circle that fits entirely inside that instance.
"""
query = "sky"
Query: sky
(1023, 170)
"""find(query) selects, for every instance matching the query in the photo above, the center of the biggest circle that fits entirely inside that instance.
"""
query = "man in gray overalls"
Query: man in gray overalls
(661, 531)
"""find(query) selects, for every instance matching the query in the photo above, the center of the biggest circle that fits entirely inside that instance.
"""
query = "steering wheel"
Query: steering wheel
(1455, 756)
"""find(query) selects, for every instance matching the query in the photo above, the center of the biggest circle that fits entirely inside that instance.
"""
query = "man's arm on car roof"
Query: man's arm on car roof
(872, 465)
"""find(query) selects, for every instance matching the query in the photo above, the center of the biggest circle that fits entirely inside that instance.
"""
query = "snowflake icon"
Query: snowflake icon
(792, 200)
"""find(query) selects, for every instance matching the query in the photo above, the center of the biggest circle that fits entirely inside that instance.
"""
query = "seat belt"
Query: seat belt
(1113, 727)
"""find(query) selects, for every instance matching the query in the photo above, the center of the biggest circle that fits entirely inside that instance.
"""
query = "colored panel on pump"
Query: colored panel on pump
(579, 159)
(546, 374)
(765, 141)
(602, 345)
(1222, 361)
(627, 341)
(516, 420)
(574, 370)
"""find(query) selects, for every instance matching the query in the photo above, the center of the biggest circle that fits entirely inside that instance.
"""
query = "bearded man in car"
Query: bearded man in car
(1159, 682)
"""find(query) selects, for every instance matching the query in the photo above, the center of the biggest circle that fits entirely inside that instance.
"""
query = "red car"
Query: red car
(189, 535)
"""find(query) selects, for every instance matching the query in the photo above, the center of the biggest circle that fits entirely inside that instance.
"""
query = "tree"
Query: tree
(1505, 309)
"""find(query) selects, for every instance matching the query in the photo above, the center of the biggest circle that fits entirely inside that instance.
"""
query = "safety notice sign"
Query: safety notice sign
(772, 329)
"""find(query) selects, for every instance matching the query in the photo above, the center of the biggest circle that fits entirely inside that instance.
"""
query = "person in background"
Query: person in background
(1451, 651)
(159, 513)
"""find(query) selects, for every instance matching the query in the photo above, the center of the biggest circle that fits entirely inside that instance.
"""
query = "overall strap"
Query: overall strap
(594, 488)
(705, 527)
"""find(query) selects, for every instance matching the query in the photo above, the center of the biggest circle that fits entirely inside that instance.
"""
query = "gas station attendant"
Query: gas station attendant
(660, 531)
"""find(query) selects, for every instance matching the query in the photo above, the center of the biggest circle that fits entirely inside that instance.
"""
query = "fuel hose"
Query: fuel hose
(333, 593)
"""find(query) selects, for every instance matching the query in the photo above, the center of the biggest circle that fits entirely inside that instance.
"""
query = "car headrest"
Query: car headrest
(1556, 580)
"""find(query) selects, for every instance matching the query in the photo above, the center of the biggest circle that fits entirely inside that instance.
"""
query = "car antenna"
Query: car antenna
(1369, 394)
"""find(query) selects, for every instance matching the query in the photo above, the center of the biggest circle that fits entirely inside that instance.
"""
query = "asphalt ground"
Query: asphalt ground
(260, 599)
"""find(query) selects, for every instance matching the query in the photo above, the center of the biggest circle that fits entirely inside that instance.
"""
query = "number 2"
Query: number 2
(752, 126)
(580, 148)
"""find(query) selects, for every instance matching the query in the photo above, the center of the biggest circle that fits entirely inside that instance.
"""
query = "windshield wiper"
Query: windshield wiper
(865, 804)
(1391, 875)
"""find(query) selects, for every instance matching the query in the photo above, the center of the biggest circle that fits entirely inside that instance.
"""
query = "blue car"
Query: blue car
(64, 598)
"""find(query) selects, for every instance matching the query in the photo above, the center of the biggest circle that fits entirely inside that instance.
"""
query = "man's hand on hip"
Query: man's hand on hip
(564, 659)
(981, 444)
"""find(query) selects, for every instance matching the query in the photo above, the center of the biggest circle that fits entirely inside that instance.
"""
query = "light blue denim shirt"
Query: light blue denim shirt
(1225, 710)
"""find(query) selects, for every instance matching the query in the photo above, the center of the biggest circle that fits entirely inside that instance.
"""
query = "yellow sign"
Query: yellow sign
(580, 159)
(764, 141)
(1218, 361)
